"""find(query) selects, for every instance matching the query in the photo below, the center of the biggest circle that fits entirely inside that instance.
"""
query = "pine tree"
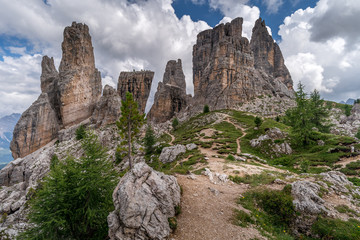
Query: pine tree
(149, 140)
(74, 200)
(206, 109)
(318, 112)
(130, 122)
(257, 121)
(300, 117)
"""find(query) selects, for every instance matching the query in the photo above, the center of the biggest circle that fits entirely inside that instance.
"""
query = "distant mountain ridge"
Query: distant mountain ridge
(7, 124)
(350, 101)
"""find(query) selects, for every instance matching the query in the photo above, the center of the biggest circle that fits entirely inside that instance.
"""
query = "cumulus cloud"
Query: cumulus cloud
(126, 36)
(237, 8)
(318, 53)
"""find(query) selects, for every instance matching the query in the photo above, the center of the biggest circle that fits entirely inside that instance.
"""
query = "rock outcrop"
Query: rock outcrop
(37, 126)
(107, 110)
(138, 83)
(68, 97)
(226, 73)
(144, 200)
(169, 154)
(80, 82)
(170, 97)
(267, 54)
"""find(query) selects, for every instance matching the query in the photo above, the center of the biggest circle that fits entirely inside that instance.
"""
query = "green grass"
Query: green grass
(165, 138)
(347, 210)
(254, 180)
(242, 219)
(337, 229)
(271, 211)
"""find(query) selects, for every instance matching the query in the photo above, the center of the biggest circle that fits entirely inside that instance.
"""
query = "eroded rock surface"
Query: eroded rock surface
(169, 154)
(80, 82)
(68, 97)
(138, 83)
(226, 73)
(170, 97)
(107, 110)
(144, 200)
(37, 126)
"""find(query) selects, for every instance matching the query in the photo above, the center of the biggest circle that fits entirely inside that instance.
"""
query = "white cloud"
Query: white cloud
(237, 8)
(126, 36)
(198, 2)
(272, 6)
(316, 48)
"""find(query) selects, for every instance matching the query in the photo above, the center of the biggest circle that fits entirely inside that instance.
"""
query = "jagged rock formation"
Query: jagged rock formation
(170, 97)
(107, 110)
(68, 96)
(138, 83)
(144, 200)
(80, 82)
(226, 73)
(267, 54)
(37, 126)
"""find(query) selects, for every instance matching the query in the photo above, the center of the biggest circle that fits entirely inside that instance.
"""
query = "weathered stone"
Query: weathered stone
(224, 70)
(191, 146)
(37, 126)
(170, 97)
(80, 82)
(138, 83)
(169, 154)
(144, 200)
(107, 110)
(267, 54)
(339, 181)
(269, 138)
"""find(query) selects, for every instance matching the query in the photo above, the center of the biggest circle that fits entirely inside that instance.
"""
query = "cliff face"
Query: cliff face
(267, 54)
(170, 97)
(68, 96)
(107, 110)
(37, 126)
(138, 83)
(225, 72)
(80, 82)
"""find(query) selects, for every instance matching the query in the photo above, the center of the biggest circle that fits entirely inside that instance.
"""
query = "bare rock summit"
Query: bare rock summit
(138, 83)
(170, 97)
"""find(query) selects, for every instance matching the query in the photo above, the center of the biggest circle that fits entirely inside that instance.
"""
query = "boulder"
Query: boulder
(138, 83)
(144, 201)
(169, 154)
(339, 181)
(191, 146)
(170, 97)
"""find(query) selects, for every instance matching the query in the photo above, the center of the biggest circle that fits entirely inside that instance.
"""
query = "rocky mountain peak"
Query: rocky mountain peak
(138, 83)
(267, 54)
(170, 97)
(174, 74)
(228, 70)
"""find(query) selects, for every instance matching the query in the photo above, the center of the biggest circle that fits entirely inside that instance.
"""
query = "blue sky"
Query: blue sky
(320, 40)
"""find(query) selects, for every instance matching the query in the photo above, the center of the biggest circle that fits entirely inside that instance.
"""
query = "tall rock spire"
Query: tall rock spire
(170, 97)
(80, 82)
(267, 54)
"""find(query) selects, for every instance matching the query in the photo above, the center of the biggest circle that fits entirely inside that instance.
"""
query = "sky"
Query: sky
(320, 40)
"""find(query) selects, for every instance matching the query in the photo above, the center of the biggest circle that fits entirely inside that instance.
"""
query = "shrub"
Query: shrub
(175, 123)
(172, 223)
(80, 132)
(358, 134)
(206, 109)
(258, 122)
(230, 157)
